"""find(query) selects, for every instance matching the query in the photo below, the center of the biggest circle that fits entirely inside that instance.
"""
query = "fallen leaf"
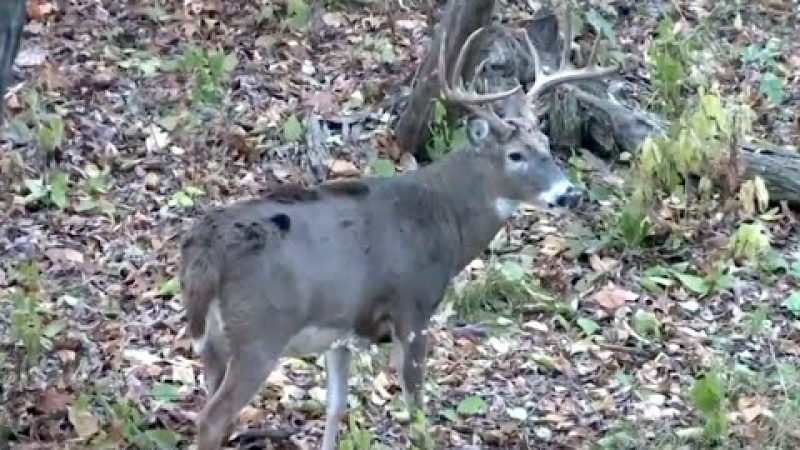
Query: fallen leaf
(51, 401)
(602, 265)
(612, 297)
(84, 423)
(341, 168)
(64, 256)
(553, 244)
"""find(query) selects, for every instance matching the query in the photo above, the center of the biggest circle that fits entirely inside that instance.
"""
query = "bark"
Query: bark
(460, 19)
(12, 21)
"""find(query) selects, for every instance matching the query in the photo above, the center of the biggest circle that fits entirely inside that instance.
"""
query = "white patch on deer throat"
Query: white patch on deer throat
(505, 207)
(550, 196)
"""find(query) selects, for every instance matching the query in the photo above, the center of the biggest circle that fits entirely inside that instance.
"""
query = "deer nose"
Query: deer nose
(570, 198)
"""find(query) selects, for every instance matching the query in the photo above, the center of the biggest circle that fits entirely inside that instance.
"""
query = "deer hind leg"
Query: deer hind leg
(246, 371)
(411, 343)
(337, 365)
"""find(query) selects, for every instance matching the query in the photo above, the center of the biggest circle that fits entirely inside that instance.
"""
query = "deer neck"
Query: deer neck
(478, 209)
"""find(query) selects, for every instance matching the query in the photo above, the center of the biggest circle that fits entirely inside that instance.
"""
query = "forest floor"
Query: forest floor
(554, 340)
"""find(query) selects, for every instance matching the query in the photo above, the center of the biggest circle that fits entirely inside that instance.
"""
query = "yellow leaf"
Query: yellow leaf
(762, 195)
(83, 421)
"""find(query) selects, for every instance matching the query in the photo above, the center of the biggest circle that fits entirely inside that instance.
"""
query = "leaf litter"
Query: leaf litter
(118, 369)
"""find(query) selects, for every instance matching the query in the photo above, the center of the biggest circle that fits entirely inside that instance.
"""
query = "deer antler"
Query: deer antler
(564, 74)
(454, 91)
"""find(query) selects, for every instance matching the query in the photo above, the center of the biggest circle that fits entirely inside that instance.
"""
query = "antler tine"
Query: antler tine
(545, 81)
(456, 93)
(470, 100)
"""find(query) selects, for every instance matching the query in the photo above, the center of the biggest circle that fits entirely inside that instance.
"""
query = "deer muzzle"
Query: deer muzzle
(562, 194)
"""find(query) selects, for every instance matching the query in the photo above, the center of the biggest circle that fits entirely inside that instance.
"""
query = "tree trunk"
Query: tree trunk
(12, 20)
(460, 19)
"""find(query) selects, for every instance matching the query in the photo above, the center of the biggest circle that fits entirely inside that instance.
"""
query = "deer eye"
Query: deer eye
(515, 156)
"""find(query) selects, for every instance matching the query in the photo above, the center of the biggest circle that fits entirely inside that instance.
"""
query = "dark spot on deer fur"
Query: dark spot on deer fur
(281, 221)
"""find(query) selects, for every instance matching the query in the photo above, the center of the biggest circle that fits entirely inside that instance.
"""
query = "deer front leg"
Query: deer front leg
(337, 366)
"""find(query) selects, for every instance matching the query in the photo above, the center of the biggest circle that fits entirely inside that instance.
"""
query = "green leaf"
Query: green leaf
(171, 288)
(449, 414)
(230, 61)
(163, 438)
(58, 188)
(387, 53)
(792, 303)
(645, 322)
(382, 167)
(600, 24)
(471, 406)
(519, 414)
(298, 11)
(693, 283)
(512, 271)
(750, 53)
(164, 392)
(193, 191)
(794, 269)
(292, 129)
(588, 326)
(707, 393)
(53, 328)
(149, 66)
(772, 87)
(36, 188)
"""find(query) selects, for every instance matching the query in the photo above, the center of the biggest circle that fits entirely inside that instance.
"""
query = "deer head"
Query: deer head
(513, 142)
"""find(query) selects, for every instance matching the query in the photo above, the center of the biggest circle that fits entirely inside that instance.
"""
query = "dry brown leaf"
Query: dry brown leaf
(612, 297)
(51, 401)
(602, 265)
(553, 244)
(341, 168)
(64, 256)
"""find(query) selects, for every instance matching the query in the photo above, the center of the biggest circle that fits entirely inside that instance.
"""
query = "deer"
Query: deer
(348, 263)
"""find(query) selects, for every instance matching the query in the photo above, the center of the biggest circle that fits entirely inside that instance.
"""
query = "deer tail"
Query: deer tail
(200, 280)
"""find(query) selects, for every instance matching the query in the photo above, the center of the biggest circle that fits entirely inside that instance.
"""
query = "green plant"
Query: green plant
(30, 328)
(772, 84)
(708, 395)
(95, 185)
(443, 139)
(355, 438)
(206, 69)
(750, 242)
(670, 56)
(503, 290)
(50, 190)
(104, 422)
(184, 198)
(298, 13)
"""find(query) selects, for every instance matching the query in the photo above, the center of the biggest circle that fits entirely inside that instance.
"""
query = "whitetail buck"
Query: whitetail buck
(303, 271)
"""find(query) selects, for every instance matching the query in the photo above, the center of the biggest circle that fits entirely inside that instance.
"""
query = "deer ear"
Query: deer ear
(477, 131)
